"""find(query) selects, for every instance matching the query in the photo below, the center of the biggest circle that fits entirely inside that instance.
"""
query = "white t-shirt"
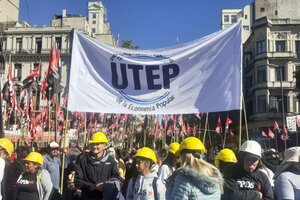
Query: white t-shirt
(2, 166)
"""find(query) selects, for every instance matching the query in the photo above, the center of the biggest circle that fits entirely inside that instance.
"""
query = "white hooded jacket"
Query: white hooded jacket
(142, 189)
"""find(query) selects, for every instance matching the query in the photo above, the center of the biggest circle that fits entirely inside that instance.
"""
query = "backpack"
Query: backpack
(112, 190)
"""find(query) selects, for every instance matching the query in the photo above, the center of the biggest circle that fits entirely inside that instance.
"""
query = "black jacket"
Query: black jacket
(91, 171)
(240, 184)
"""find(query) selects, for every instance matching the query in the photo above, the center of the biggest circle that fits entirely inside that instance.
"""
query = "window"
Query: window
(276, 12)
(19, 45)
(17, 72)
(261, 47)
(277, 71)
(246, 28)
(94, 16)
(246, 16)
(249, 107)
(261, 103)
(93, 30)
(298, 49)
(93, 22)
(262, 9)
(58, 42)
(38, 45)
(233, 18)
(280, 46)
(261, 74)
(249, 82)
(226, 18)
(274, 103)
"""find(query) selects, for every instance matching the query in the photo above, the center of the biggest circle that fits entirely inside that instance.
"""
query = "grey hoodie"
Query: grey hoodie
(142, 189)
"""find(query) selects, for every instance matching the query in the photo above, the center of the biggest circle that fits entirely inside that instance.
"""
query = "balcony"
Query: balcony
(286, 54)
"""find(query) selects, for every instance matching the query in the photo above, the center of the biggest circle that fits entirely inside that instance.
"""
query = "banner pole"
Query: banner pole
(205, 128)
(245, 116)
(64, 154)
(49, 115)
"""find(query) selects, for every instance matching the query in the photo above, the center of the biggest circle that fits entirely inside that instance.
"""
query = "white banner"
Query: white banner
(291, 124)
(199, 76)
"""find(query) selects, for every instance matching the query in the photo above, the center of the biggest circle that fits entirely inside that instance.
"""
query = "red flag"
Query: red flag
(270, 134)
(151, 132)
(228, 122)
(284, 131)
(263, 133)
(219, 126)
(158, 134)
(298, 120)
(195, 130)
(276, 127)
(231, 133)
(198, 115)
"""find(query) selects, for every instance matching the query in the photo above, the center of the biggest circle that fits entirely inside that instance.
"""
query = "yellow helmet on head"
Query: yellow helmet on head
(146, 152)
(7, 145)
(191, 143)
(35, 157)
(225, 155)
(173, 147)
(98, 137)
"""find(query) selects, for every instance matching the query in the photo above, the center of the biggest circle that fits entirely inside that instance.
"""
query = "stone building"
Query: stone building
(274, 45)
(24, 46)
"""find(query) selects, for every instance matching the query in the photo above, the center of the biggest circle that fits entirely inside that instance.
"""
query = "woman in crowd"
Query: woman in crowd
(168, 166)
(287, 177)
(34, 183)
(196, 179)
(146, 186)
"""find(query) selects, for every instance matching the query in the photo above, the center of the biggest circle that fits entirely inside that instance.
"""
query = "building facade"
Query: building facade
(9, 10)
(231, 16)
(271, 57)
(24, 47)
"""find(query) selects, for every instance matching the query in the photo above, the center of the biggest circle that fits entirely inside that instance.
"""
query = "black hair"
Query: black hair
(22, 152)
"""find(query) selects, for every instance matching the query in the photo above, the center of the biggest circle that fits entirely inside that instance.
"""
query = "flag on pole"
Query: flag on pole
(30, 78)
(270, 134)
(263, 133)
(284, 130)
(228, 122)
(219, 126)
(231, 133)
(298, 120)
(276, 127)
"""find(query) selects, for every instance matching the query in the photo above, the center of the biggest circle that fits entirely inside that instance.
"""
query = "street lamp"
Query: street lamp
(282, 100)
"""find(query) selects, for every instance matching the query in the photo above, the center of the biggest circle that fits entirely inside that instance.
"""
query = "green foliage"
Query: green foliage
(126, 43)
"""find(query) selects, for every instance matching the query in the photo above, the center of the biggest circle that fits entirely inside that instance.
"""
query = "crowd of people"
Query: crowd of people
(183, 173)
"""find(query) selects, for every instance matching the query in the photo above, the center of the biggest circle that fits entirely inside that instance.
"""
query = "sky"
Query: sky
(150, 24)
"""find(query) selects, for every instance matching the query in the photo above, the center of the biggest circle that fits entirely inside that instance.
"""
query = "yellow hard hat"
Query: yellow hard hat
(173, 147)
(191, 143)
(7, 145)
(98, 137)
(225, 155)
(35, 157)
(146, 152)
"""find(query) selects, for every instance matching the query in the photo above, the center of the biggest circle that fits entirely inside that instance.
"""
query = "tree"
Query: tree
(126, 43)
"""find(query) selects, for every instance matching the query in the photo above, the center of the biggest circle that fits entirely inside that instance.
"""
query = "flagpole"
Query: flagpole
(49, 115)
(224, 141)
(245, 116)
(64, 153)
(85, 131)
(56, 118)
(205, 128)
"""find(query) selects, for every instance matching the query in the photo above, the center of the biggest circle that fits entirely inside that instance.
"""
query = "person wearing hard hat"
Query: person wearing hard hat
(95, 168)
(34, 183)
(6, 149)
(224, 158)
(146, 186)
(243, 180)
(196, 178)
(168, 166)
(287, 177)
